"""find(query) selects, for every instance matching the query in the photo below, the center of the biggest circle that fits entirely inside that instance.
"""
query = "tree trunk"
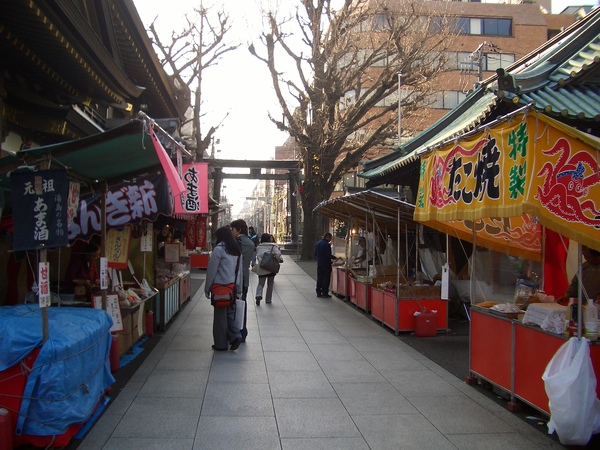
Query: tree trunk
(312, 225)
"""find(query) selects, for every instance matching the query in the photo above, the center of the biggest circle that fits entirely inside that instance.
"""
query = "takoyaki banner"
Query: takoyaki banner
(506, 182)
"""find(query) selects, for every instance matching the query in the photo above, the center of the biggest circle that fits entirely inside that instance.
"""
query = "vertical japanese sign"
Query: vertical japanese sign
(72, 201)
(44, 296)
(103, 273)
(195, 198)
(39, 212)
(195, 230)
(113, 308)
(117, 247)
(147, 237)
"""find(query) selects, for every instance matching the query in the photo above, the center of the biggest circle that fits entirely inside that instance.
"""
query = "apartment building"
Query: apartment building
(491, 36)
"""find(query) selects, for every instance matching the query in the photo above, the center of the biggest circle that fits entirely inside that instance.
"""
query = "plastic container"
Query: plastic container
(426, 324)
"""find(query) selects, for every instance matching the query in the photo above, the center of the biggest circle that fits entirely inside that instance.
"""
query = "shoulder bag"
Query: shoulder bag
(269, 262)
(224, 295)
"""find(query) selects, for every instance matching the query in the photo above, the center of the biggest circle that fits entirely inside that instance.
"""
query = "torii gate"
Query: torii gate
(256, 167)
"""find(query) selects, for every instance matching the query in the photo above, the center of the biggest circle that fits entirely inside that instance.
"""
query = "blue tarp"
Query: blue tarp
(71, 372)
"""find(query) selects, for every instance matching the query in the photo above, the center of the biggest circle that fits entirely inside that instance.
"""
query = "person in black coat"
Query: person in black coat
(324, 259)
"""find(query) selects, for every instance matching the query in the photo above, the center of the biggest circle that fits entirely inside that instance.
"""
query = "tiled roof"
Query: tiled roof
(469, 114)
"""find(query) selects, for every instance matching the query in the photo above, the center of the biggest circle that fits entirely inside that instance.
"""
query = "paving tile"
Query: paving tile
(284, 343)
(248, 433)
(327, 337)
(234, 400)
(148, 444)
(162, 418)
(336, 352)
(490, 441)
(186, 360)
(175, 383)
(372, 398)
(458, 415)
(291, 361)
(412, 383)
(238, 371)
(324, 444)
(402, 431)
(129, 392)
(315, 417)
(351, 371)
(389, 363)
(300, 384)
(100, 432)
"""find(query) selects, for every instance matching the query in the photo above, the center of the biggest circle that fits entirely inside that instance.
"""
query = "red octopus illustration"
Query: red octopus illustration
(568, 182)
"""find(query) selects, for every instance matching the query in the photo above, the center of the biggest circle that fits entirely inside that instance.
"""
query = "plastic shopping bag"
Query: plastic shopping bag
(239, 313)
(571, 388)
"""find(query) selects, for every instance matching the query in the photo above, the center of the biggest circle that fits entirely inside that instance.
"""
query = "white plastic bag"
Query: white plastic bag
(570, 384)
(239, 313)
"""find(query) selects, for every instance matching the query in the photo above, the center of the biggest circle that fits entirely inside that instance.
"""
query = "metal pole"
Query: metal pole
(399, 112)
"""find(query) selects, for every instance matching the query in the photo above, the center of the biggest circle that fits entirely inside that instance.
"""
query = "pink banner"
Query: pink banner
(195, 198)
(173, 178)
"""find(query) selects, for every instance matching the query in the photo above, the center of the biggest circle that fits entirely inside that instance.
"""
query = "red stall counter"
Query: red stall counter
(513, 356)
(199, 260)
(399, 315)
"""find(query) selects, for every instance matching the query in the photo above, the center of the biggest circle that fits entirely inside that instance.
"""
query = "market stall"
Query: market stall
(395, 294)
(69, 192)
(513, 187)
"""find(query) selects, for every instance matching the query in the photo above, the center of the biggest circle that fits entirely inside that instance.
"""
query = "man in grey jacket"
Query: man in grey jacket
(239, 229)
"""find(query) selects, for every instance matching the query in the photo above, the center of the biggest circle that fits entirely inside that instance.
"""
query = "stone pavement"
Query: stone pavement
(314, 373)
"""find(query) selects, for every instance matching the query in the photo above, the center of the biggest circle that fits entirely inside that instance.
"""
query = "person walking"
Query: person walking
(239, 229)
(224, 268)
(267, 245)
(255, 240)
(324, 259)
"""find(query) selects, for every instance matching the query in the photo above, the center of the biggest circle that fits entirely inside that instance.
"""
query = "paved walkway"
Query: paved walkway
(314, 374)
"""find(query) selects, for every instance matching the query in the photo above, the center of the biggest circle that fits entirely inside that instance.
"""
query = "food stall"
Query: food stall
(130, 195)
(541, 181)
(393, 294)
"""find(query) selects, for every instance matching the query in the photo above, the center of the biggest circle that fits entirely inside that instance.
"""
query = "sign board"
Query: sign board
(172, 253)
(44, 296)
(117, 247)
(113, 308)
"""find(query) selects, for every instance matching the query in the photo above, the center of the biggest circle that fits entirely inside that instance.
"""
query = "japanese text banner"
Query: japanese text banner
(524, 172)
(195, 198)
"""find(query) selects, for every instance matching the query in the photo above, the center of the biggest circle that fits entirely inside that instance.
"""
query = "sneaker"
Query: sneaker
(258, 299)
(268, 301)
(326, 296)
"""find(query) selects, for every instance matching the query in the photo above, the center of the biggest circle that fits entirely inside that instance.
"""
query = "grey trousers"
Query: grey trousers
(224, 329)
(261, 284)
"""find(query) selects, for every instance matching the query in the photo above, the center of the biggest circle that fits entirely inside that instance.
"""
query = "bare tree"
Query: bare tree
(340, 100)
(200, 45)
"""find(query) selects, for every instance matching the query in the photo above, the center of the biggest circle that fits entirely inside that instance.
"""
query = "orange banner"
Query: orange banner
(507, 181)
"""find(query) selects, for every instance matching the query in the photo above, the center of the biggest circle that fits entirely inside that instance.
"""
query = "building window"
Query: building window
(489, 26)
(494, 61)
(446, 99)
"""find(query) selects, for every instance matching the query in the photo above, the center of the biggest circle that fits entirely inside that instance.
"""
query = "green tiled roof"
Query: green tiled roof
(469, 114)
